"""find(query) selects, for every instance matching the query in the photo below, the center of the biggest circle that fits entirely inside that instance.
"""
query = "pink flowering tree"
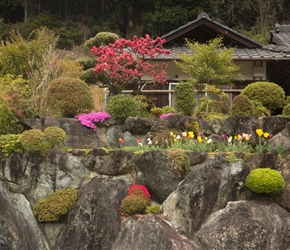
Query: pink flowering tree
(126, 61)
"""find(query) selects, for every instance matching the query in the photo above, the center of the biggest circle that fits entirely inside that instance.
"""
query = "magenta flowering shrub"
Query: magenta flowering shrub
(90, 120)
(166, 115)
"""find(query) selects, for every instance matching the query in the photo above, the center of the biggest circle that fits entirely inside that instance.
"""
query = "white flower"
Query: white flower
(178, 137)
(230, 139)
(209, 141)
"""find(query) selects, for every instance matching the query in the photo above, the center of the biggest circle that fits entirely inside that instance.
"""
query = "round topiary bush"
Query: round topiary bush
(34, 139)
(184, 100)
(69, 97)
(55, 136)
(242, 106)
(133, 204)
(55, 206)
(102, 39)
(122, 106)
(270, 94)
(286, 110)
(265, 181)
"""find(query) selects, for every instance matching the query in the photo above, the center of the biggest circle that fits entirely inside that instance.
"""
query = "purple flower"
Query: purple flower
(165, 115)
(90, 120)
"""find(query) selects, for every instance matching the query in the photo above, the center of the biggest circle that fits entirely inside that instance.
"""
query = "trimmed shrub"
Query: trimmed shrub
(154, 209)
(55, 206)
(242, 106)
(133, 204)
(10, 144)
(286, 110)
(270, 94)
(185, 100)
(69, 97)
(122, 106)
(55, 136)
(265, 181)
(102, 39)
(87, 62)
(89, 76)
(168, 109)
(34, 139)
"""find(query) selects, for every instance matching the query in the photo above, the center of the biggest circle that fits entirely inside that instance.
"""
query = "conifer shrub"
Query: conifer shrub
(102, 39)
(168, 109)
(34, 139)
(10, 144)
(286, 110)
(136, 201)
(86, 62)
(270, 94)
(133, 204)
(69, 97)
(153, 209)
(184, 100)
(242, 106)
(55, 206)
(122, 106)
(55, 136)
(265, 181)
(89, 76)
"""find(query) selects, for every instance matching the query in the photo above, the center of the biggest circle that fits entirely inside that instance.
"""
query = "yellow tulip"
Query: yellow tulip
(199, 138)
(266, 134)
(190, 134)
(259, 132)
(171, 133)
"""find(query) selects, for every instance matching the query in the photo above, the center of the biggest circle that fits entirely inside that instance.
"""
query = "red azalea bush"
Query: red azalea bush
(136, 201)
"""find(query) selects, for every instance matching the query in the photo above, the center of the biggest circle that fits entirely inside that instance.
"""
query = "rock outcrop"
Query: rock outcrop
(206, 205)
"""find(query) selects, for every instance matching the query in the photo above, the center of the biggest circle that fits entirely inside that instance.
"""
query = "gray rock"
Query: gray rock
(18, 226)
(256, 225)
(150, 232)
(138, 125)
(94, 221)
(207, 189)
(159, 173)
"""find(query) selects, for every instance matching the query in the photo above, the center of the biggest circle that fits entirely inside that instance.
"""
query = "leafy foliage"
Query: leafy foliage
(69, 97)
(265, 181)
(125, 62)
(242, 106)
(122, 106)
(286, 110)
(10, 144)
(270, 94)
(55, 206)
(209, 63)
(102, 39)
(185, 100)
(34, 139)
(55, 136)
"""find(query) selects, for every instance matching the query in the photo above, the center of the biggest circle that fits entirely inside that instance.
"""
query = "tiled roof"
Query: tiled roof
(269, 52)
(205, 16)
(281, 35)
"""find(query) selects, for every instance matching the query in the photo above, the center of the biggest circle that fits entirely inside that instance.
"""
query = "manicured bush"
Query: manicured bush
(154, 209)
(86, 62)
(286, 110)
(101, 39)
(133, 204)
(34, 139)
(242, 106)
(69, 97)
(55, 136)
(89, 76)
(10, 144)
(122, 106)
(184, 100)
(168, 109)
(270, 94)
(55, 206)
(265, 181)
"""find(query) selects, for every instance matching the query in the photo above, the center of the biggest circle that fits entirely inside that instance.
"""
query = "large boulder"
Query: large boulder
(150, 232)
(207, 189)
(95, 221)
(259, 225)
(159, 172)
(138, 125)
(18, 226)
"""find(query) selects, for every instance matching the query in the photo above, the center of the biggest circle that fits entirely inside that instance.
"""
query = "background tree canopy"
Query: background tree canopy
(75, 21)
